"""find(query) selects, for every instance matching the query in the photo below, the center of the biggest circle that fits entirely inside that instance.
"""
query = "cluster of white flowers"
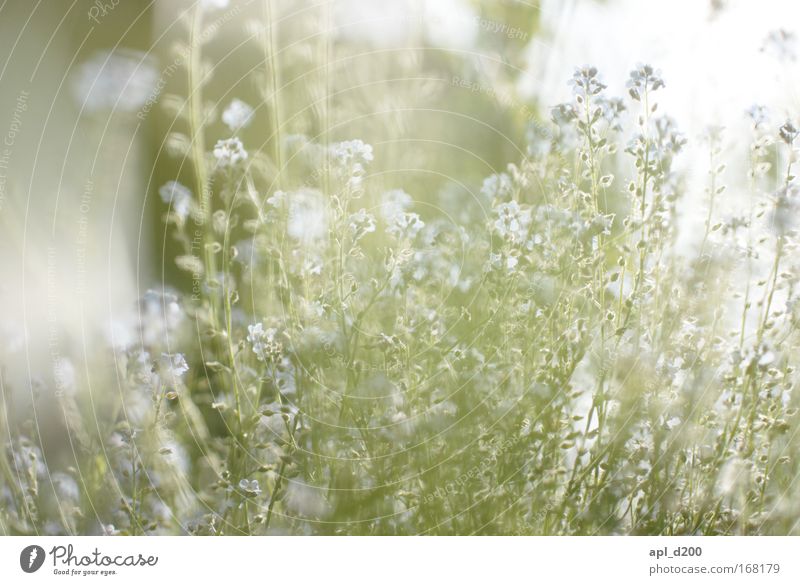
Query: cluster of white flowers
(264, 343)
(499, 261)
(159, 316)
(172, 367)
(512, 221)
(406, 225)
(497, 187)
(350, 153)
(350, 159)
(229, 152)
(393, 203)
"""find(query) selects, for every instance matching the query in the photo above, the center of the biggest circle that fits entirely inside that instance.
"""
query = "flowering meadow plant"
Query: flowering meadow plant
(346, 341)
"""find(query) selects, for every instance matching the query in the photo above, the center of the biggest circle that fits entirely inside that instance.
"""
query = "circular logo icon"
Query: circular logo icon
(31, 558)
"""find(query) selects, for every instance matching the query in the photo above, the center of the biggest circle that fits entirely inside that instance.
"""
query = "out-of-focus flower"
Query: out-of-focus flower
(782, 44)
(758, 115)
(277, 199)
(177, 196)
(784, 214)
(172, 367)
(497, 187)
(406, 225)
(361, 224)
(512, 221)
(563, 114)
(351, 151)
(788, 132)
(349, 160)
(160, 314)
(237, 115)
(66, 487)
(139, 367)
(119, 80)
(393, 203)
(308, 216)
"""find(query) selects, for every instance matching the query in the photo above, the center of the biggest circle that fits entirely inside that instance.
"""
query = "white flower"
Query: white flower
(277, 200)
(361, 224)
(229, 152)
(237, 115)
(139, 366)
(406, 225)
(311, 267)
(497, 187)
(159, 315)
(501, 262)
(178, 196)
(264, 344)
(782, 44)
(394, 203)
(512, 222)
(250, 487)
(173, 366)
(350, 152)
(156, 318)
(348, 161)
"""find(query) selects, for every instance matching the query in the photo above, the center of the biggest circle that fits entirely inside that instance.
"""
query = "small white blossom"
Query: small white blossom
(237, 115)
(512, 221)
(177, 196)
(172, 366)
(497, 187)
(264, 344)
(229, 152)
(394, 203)
(361, 224)
(277, 200)
(406, 225)
(120, 80)
(350, 152)
(782, 44)
(250, 487)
